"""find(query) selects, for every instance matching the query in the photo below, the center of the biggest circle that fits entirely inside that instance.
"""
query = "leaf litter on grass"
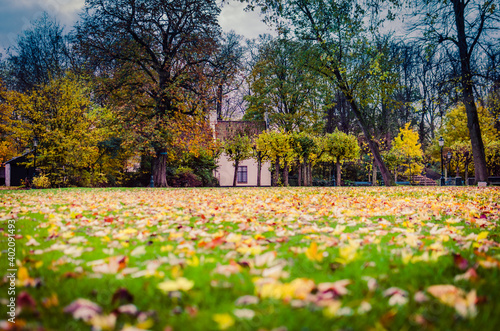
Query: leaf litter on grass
(230, 258)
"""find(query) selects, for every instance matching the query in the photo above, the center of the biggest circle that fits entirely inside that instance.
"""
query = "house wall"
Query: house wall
(225, 172)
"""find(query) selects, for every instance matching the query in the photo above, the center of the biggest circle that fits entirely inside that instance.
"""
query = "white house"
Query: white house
(248, 169)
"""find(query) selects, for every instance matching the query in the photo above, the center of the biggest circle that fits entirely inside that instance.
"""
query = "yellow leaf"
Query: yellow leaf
(482, 235)
(313, 254)
(180, 284)
(224, 321)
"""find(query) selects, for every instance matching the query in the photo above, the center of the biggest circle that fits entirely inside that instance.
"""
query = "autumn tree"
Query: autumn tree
(156, 53)
(7, 146)
(340, 32)
(462, 28)
(406, 148)
(276, 147)
(304, 146)
(237, 149)
(339, 147)
(68, 127)
(457, 139)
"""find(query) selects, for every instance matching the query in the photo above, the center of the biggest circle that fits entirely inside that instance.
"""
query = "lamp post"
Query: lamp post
(448, 156)
(441, 144)
(35, 144)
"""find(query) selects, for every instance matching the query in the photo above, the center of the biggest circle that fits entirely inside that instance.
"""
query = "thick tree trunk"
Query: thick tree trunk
(478, 153)
(235, 178)
(337, 166)
(160, 169)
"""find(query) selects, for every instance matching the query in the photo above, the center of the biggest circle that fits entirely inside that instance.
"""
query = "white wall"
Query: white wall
(225, 172)
(7, 174)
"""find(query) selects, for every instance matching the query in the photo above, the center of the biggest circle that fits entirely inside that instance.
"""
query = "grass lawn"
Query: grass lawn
(402, 258)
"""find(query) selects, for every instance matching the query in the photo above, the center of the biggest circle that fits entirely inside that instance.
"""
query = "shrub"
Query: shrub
(41, 181)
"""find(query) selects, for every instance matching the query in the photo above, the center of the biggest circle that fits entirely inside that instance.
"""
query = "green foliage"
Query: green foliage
(238, 148)
(304, 146)
(339, 147)
(283, 87)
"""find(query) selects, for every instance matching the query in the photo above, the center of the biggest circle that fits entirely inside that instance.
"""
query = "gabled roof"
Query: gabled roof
(18, 157)
(227, 129)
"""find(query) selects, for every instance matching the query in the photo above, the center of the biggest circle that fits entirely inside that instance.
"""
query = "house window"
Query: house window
(242, 175)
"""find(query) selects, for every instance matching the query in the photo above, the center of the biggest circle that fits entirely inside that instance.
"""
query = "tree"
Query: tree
(406, 147)
(339, 147)
(68, 126)
(276, 147)
(41, 54)
(7, 147)
(340, 35)
(304, 146)
(157, 54)
(228, 65)
(282, 86)
(456, 135)
(464, 25)
(237, 149)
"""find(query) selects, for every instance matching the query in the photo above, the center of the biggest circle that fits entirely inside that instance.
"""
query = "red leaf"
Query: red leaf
(460, 262)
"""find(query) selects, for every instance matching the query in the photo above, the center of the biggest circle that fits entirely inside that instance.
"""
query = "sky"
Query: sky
(16, 15)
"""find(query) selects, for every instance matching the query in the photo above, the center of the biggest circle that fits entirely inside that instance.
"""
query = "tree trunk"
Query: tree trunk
(219, 102)
(466, 175)
(478, 153)
(277, 171)
(374, 149)
(160, 169)
(285, 174)
(235, 178)
(300, 173)
(309, 173)
(259, 169)
(337, 165)
(374, 176)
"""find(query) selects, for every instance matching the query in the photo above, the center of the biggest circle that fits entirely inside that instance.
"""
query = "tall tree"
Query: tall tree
(41, 53)
(283, 87)
(68, 126)
(228, 65)
(168, 44)
(340, 31)
(464, 26)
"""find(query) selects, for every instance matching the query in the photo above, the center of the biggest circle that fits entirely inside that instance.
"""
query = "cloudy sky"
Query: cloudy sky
(16, 15)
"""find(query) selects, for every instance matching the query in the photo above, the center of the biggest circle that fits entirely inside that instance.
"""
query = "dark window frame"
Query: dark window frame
(242, 175)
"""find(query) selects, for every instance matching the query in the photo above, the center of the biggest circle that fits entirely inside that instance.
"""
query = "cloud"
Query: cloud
(248, 24)
(17, 15)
